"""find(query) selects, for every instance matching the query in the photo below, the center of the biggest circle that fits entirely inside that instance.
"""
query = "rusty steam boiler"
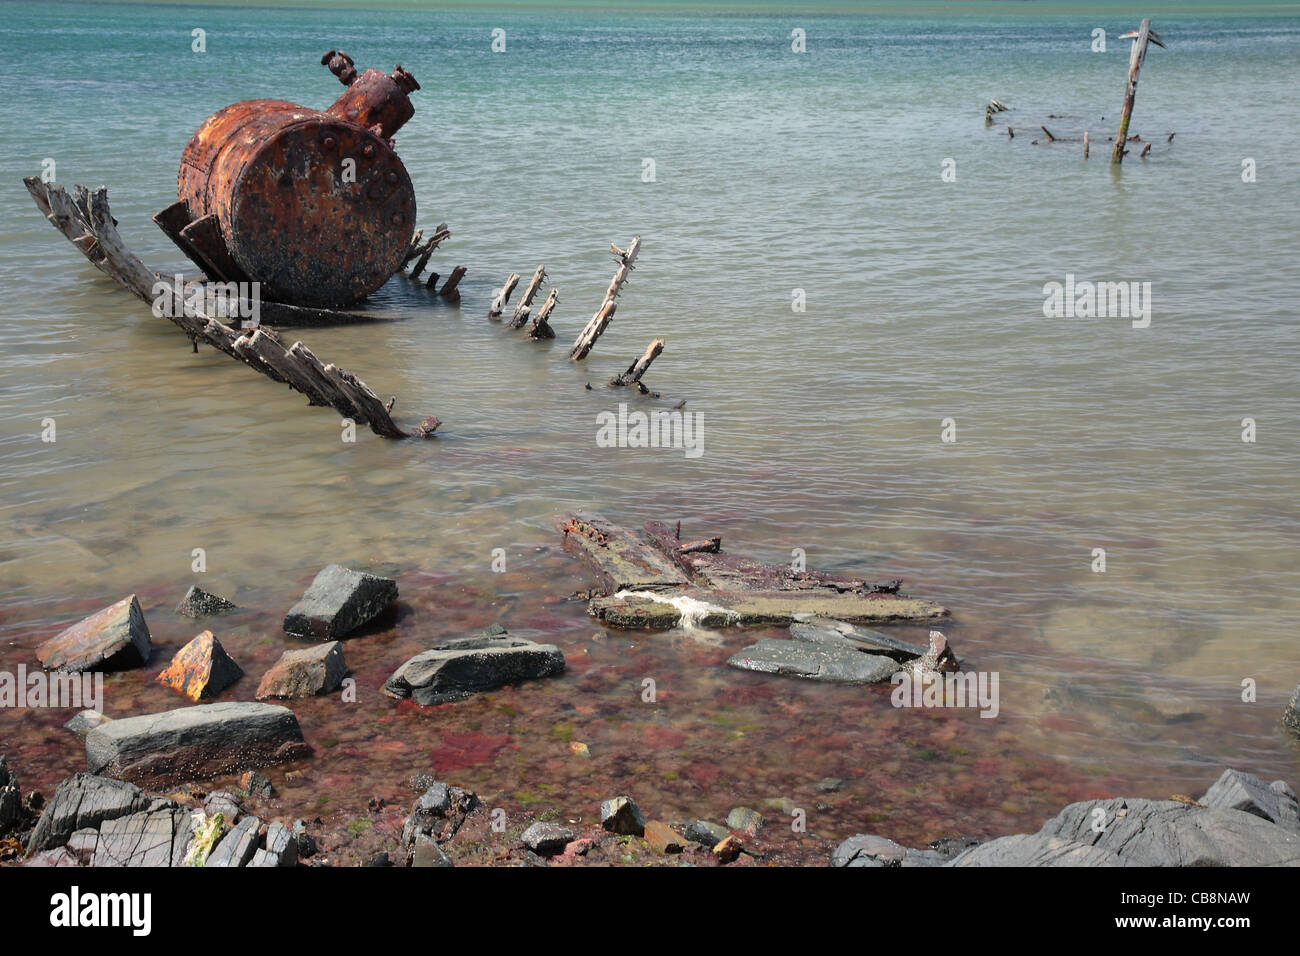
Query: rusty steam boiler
(316, 207)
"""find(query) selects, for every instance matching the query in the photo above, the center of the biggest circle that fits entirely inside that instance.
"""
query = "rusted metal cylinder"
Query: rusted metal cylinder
(317, 207)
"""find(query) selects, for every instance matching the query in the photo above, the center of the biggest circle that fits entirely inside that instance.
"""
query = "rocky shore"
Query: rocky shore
(144, 799)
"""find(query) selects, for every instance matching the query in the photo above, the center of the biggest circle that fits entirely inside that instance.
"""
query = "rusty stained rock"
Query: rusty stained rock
(201, 669)
(116, 638)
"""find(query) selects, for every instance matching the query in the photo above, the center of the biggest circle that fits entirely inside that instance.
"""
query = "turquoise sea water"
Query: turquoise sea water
(775, 171)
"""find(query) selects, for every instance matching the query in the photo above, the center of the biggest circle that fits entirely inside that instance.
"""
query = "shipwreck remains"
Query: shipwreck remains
(653, 579)
(314, 206)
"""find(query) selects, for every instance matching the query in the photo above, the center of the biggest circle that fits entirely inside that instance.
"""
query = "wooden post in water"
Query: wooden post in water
(1085, 144)
(525, 305)
(503, 296)
(587, 338)
(1140, 38)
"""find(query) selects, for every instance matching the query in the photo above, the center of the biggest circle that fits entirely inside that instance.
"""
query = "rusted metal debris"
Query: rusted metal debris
(653, 579)
(314, 206)
(84, 218)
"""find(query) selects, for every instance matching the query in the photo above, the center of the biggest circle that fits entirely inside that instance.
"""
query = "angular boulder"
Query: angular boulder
(664, 838)
(339, 601)
(305, 673)
(116, 638)
(238, 846)
(1274, 801)
(706, 833)
(812, 660)
(622, 816)
(84, 721)
(199, 603)
(546, 839)
(194, 743)
(201, 669)
(456, 669)
(281, 849)
(84, 801)
(868, 850)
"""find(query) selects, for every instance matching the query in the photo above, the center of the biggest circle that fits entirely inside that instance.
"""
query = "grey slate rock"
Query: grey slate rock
(225, 803)
(428, 853)
(868, 850)
(306, 842)
(705, 833)
(436, 800)
(622, 816)
(547, 839)
(339, 601)
(84, 801)
(237, 846)
(814, 661)
(454, 670)
(11, 799)
(280, 850)
(154, 837)
(196, 742)
(1144, 833)
(200, 603)
(1244, 791)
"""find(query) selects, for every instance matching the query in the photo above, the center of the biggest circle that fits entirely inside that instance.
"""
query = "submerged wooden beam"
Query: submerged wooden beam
(85, 219)
(540, 327)
(639, 367)
(525, 305)
(654, 579)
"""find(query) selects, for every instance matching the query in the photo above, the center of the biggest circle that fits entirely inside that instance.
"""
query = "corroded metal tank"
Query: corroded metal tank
(315, 206)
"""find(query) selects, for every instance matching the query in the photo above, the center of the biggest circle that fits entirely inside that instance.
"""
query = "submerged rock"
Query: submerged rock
(459, 668)
(868, 850)
(305, 673)
(814, 661)
(256, 785)
(85, 721)
(706, 833)
(201, 669)
(116, 638)
(746, 819)
(339, 601)
(1291, 716)
(546, 838)
(195, 742)
(199, 603)
(622, 816)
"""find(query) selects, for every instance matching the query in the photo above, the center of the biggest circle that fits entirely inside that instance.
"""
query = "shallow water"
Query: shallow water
(774, 171)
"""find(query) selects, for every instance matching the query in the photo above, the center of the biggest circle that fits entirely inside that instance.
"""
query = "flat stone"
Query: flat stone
(622, 816)
(869, 850)
(194, 743)
(706, 833)
(664, 838)
(116, 638)
(547, 838)
(85, 721)
(863, 640)
(85, 801)
(338, 602)
(305, 673)
(457, 669)
(200, 603)
(156, 837)
(1236, 790)
(201, 669)
(237, 847)
(812, 661)
(829, 784)
(746, 819)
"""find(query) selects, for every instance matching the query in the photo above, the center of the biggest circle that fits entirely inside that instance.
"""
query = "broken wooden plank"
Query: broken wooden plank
(622, 559)
(260, 349)
(449, 290)
(638, 367)
(540, 328)
(600, 321)
(503, 296)
(524, 307)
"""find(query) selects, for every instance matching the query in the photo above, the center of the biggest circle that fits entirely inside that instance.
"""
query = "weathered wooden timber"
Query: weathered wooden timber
(653, 579)
(626, 258)
(1141, 37)
(639, 367)
(525, 306)
(449, 290)
(503, 296)
(84, 218)
(540, 327)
